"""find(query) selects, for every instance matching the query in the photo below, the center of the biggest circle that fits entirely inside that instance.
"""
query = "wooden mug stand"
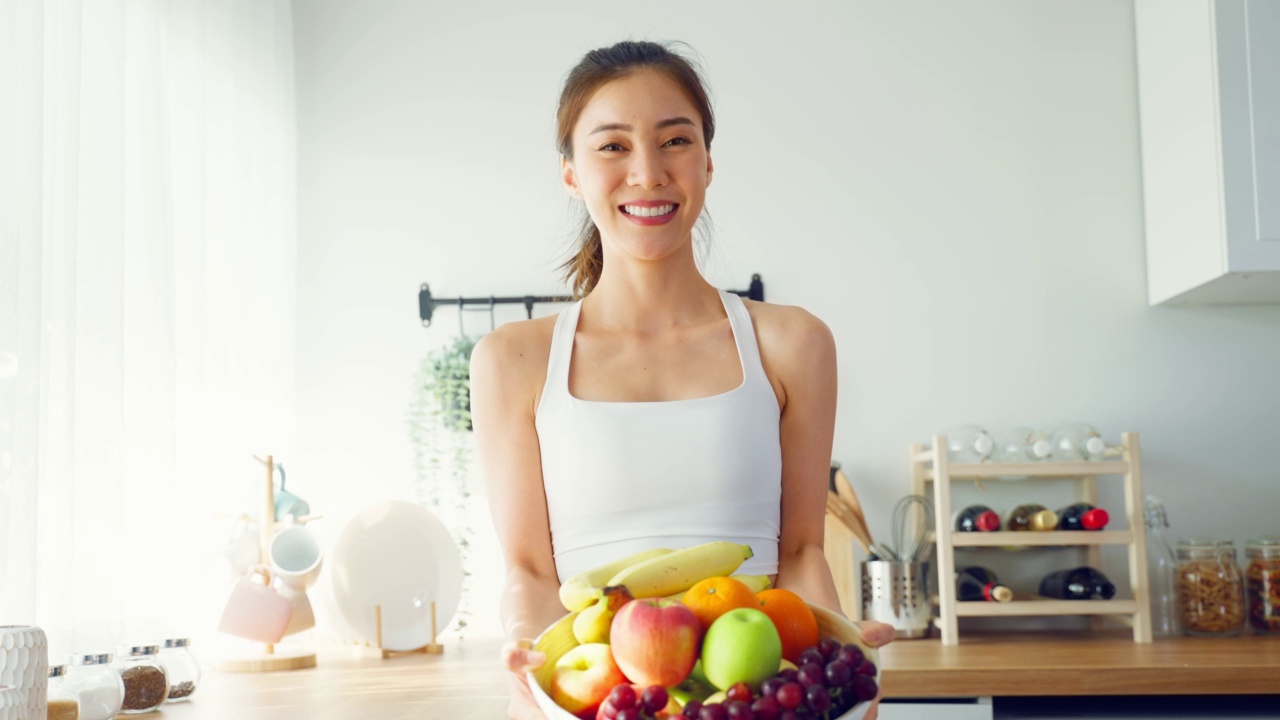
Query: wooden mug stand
(365, 650)
(270, 657)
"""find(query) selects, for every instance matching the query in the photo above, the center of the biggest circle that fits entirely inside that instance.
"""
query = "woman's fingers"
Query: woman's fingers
(519, 657)
(876, 633)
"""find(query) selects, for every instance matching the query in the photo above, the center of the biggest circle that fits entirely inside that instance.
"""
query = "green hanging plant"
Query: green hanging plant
(439, 419)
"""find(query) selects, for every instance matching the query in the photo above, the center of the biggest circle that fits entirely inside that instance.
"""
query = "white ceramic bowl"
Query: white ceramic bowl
(558, 640)
(402, 557)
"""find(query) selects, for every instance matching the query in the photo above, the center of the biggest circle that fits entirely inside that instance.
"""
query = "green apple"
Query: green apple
(690, 689)
(742, 645)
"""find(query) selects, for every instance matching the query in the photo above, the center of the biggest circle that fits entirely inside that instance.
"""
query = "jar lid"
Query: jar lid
(57, 671)
(177, 642)
(1206, 542)
(138, 650)
(91, 659)
(1266, 545)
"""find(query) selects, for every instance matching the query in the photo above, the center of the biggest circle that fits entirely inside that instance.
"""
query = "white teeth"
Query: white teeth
(638, 211)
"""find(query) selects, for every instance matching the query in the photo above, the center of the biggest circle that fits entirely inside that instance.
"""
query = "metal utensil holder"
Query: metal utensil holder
(898, 594)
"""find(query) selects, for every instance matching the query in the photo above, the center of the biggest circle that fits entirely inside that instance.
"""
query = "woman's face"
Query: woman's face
(641, 164)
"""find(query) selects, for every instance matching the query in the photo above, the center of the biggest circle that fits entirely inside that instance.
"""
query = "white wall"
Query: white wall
(953, 187)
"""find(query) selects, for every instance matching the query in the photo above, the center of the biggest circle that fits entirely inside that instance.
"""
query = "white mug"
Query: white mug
(295, 556)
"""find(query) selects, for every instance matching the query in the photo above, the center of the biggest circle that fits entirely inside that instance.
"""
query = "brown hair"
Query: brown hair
(598, 67)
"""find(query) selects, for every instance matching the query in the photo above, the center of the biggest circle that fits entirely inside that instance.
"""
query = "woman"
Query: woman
(658, 411)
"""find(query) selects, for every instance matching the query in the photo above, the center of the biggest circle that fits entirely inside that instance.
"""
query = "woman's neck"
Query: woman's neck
(651, 296)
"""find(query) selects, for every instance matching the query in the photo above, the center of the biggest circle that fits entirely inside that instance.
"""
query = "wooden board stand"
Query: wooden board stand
(376, 650)
(933, 466)
(271, 657)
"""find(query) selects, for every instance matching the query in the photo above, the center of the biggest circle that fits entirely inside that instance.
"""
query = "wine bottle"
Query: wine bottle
(1075, 442)
(969, 444)
(976, 518)
(1031, 517)
(1161, 566)
(1020, 445)
(980, 584)
(1082, 516)
(1082, 583)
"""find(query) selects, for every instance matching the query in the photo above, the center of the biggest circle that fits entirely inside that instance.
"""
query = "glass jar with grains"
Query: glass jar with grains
(146, 685)
(1210, 587)
(1262, 583)
(182, 667)
(97, 685)
(63, 704)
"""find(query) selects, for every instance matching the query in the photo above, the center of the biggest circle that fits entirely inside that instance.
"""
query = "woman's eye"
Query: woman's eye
(611, 147)
(678, 141)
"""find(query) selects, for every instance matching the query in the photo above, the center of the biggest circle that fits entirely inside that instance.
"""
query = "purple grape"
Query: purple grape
(817, 698)
(691, 709)
(766, 708)
(714, 711)
(653, 699)
(770, 686)
(838, 674)
(864, 687)
(829, 646)
(850, 654)
(866, 668)
(790, 715)
(739, 710)
(811, 655)
(623, 696)
(789, 674)
(738, 691)
(629, 714)
(789, 696)
(810, 674)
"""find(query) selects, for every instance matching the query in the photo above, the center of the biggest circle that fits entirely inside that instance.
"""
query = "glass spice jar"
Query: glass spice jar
(182, 667)
(146, 685)
(97, 685)
(62, 701)
(1262, 583)
(1210, 587)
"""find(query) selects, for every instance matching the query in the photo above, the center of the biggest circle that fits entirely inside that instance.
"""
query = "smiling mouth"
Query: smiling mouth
(648, 212)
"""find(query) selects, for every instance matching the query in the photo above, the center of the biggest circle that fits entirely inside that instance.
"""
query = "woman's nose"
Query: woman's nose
(648, 168)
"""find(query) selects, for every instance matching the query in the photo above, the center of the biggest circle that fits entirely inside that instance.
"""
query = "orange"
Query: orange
(791, 615)
(715, 596)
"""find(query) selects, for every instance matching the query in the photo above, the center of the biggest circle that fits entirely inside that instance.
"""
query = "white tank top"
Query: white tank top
(621, 477)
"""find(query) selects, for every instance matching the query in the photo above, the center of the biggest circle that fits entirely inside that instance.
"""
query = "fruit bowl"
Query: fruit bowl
(558, 639)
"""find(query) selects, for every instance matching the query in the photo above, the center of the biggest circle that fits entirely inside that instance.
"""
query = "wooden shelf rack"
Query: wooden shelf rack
(932, 467)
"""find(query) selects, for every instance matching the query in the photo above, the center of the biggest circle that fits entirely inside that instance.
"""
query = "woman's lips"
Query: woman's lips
(649, 213)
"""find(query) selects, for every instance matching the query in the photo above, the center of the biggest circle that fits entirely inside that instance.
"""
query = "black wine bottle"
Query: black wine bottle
(980, 584)
(977, 518)
(1082, 583)
(1082, 516)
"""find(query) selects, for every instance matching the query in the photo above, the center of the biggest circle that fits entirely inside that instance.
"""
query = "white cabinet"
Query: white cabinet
(1209, 103)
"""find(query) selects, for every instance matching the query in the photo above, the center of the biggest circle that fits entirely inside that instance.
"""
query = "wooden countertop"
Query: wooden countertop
(465, 682)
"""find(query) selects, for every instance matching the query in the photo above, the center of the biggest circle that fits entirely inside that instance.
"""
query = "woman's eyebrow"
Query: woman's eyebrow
(627, 128)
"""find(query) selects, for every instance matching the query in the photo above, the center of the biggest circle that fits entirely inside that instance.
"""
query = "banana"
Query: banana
(680, 570)
(756, 583)
(585, 588)
(592, 625)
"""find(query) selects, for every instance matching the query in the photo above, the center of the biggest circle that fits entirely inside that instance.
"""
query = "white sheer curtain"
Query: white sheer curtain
(147, 301)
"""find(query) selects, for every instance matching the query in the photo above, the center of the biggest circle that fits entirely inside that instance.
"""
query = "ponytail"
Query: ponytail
(582, 270)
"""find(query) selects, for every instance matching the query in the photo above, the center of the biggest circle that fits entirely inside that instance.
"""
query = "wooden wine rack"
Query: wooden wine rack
(932, 467)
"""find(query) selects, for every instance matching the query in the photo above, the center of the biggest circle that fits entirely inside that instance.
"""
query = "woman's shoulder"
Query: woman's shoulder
(786, 326)
(515, 353)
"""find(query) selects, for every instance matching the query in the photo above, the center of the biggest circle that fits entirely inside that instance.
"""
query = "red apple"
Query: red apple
(583, 677)
(655, 641)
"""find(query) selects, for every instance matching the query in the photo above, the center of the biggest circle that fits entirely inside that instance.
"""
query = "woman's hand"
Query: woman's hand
(876, 634)
(518, 658)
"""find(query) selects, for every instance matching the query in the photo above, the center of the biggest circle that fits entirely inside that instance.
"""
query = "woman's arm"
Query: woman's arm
(504, 387)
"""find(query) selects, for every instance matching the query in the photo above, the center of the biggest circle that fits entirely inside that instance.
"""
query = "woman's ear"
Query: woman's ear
(568, 178)
(710, 169)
